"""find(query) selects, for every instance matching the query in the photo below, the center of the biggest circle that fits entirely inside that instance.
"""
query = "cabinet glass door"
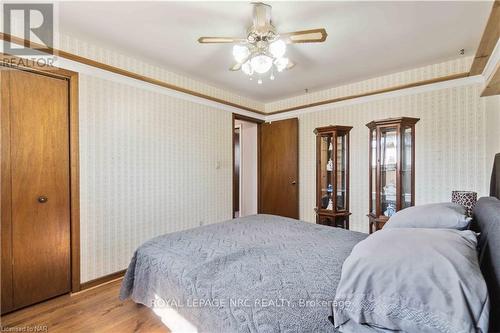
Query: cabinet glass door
(388, 170)
(373, 171)
(341, 171)
(326, 171)
(406, 168)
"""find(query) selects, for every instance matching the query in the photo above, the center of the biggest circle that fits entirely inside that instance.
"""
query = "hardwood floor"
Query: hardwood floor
(94, 310)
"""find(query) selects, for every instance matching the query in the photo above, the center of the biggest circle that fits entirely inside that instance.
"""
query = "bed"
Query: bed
(260, 273)
(266, 273)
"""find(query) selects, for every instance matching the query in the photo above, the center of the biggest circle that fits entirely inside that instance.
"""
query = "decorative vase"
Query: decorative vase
(390, 210)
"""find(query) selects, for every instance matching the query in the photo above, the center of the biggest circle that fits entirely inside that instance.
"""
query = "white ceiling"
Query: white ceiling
(365, 39)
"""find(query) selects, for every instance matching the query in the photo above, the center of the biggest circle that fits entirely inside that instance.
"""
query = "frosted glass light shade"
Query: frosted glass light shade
(247, 68)
(281, 64)
(261, 63)
(277, 48)
(240, 53)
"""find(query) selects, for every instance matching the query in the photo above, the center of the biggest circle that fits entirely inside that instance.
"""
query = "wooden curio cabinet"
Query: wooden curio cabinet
(332, 176)
(391, 168)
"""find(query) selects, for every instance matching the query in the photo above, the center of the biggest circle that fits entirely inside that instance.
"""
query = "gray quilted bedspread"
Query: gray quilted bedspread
(260, 273)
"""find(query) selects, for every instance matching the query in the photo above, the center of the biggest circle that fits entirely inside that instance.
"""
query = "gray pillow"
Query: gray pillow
(413, 280)
(446, 215)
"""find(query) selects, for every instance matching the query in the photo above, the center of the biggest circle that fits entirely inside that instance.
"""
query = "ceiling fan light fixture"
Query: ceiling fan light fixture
(277, 48)
(247, 68)
(264, 48)
(261, 63)
(240, 53)
(281, 64)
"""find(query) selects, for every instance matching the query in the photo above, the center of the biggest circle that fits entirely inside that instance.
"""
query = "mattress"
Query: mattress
(260, 273)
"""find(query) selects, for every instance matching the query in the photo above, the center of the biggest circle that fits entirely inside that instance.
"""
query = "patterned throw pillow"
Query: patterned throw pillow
(465, 198)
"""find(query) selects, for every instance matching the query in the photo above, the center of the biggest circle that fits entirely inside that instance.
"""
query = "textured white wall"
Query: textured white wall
(451, 147)
(148, 167)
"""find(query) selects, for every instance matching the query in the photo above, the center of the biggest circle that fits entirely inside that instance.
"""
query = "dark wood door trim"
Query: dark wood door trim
(258, 122)
(236, 170)
(72, 79)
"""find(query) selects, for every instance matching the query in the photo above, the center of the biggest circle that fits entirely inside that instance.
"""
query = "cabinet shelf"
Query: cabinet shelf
(392, 179)
(332, 186)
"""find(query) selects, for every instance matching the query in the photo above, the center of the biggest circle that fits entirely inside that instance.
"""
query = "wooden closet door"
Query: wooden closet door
(6, 239)
(39, 152)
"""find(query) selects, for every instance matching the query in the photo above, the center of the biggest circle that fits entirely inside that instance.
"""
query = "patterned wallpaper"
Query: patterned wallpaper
(451, 147)
(451, 67)
(148, 167)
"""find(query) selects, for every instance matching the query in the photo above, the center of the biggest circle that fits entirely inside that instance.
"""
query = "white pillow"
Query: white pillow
(413, 280)
(446, 215)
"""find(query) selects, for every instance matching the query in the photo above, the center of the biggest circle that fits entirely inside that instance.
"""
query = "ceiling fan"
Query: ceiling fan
(263, 49)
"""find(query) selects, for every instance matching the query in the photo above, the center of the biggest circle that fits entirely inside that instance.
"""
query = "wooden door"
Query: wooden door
(38, 113)
(279, 168)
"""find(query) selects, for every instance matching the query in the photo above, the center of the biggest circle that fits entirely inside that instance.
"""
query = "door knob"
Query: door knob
(294, 182)
(42, 199)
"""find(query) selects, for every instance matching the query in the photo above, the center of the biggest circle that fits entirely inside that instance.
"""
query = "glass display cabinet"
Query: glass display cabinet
(332, 176)
(391, 169)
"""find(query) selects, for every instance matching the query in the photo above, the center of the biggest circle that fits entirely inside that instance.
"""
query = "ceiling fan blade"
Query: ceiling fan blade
(236, 67)
(261, 16)
(212, 40)
(305, 36)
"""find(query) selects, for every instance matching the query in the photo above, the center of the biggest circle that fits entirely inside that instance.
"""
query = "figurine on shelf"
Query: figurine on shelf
(330, 205)
(330, 147)
(390, 210)
(329, 165)
(329, 188)
(390, 191)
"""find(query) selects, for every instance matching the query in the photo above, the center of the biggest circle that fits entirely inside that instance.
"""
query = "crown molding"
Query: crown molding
(458, 81)
(96, 64)
(141, 84)
(491, 73)
(373, 92)
(91, 67)
(488, 41)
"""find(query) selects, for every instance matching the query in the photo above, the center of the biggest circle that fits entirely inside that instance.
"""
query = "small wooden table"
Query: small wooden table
(376, 223)
(339, 220)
